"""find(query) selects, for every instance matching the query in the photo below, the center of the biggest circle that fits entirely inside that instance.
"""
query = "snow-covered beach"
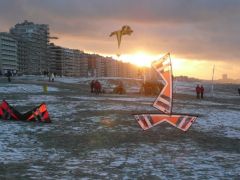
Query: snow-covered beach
(97, 137)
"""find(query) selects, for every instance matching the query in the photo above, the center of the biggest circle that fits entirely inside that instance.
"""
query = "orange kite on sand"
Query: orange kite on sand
(164, 101)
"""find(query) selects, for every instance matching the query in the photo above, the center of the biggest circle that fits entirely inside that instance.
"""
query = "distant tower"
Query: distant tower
(224, 77)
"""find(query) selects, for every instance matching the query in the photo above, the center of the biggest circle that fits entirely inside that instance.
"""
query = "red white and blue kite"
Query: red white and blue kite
(164, 101)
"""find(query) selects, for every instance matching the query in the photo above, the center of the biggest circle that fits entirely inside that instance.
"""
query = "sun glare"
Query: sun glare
(185, 67)
(139, 58)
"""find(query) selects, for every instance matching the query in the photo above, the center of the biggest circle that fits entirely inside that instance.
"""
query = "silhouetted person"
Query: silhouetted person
(198, 91)
(97, 87)
(92, 86)
(239, 91)
(49, 76)
(202, 91)
(9, 74)
(52, 77)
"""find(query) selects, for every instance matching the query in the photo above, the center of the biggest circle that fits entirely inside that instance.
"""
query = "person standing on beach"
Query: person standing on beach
(49, 76)
(9, 74)
(97, 87)
(239, 91)
(92, 84)
(202, 91)
(52, 77)
(198, 91)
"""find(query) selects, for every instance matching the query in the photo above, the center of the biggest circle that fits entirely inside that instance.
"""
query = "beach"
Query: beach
(96, 136)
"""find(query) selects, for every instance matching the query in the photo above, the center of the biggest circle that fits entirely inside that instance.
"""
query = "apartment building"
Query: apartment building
(83, 58)
(68, 62)
(55, 59)
(8, 53)
(111, 67)
(33, 42)
(75, 63)
(101, 68)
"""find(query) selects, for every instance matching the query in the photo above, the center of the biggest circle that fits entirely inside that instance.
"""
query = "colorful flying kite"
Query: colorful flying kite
(38, 113)
(126, 30)
(164, 101)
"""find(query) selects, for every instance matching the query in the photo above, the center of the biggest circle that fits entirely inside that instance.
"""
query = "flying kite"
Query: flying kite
(39, 113)
(126, 30)
(164, 101)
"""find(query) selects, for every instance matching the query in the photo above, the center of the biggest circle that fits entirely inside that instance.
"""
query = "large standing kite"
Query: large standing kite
(126, 30)
(164, 101)
(38, 113)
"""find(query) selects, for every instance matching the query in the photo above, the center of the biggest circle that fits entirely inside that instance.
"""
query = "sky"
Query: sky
(199, 34)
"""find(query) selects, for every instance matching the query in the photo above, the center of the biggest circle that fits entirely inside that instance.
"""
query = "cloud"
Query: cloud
(200, 29)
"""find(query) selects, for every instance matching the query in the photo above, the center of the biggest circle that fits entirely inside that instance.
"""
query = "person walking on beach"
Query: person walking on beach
(198, 91)
(202, 91)
(92, 86)
(97, 87)
(52, 77)
(49, 76)
(9, 74)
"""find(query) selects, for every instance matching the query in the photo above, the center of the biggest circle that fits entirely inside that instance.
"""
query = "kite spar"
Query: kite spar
(164, 101)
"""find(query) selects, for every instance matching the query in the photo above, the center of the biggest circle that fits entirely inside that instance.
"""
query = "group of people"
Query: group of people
(199, 91)
(96, 87)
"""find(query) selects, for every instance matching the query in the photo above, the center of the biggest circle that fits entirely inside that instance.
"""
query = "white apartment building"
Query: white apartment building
(8, 53)
(33, 42)
(75, 63)
(101, 69)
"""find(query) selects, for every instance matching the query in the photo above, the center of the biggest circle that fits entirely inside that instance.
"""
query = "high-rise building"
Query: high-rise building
(55, 62)
(33, 42)
(112, 67)
(8, 53)
(92, 59)
(83, 64)
(101, 69)
(75, 63)
(67, 62)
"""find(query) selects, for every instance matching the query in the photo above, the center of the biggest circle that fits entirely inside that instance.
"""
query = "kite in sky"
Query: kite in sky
(164, 101)
(39, 113)
(126, 30)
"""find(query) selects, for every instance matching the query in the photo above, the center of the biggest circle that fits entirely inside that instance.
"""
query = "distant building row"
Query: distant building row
(26, 50)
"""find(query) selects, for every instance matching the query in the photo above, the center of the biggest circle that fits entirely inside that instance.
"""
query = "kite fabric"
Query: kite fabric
(164, 100)
(164, 69)
(182, 122)
(126, 30)
(8, 112)
(39, 113)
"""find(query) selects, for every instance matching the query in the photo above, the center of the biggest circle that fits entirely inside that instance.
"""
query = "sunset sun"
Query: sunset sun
(140, 58)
